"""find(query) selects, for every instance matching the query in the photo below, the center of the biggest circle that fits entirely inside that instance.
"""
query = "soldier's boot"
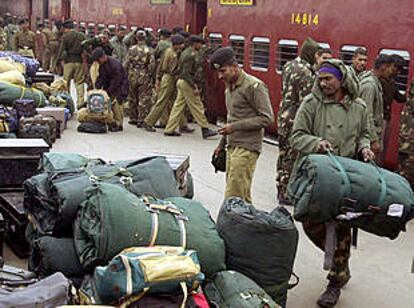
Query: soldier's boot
(172, 134)
(148, 128)
(206, 133)
(330, 297)
(186, 130)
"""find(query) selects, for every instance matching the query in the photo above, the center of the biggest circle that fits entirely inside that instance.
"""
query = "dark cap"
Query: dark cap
(176, 30)
(184, 34)
(68, 24)
(165, 32)
(221, 57)
(196, 39)
(177, 39)
(97, 54)
(122, 28)
(23, 20)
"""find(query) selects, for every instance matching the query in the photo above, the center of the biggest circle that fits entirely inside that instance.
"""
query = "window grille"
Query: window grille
(286, 50)
(260, 50)
(237, 43)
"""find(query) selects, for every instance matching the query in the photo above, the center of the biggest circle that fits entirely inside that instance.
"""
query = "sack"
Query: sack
(173, 222)
(98, 101)
(231, 289)
(219, 161)
(58, 86)
(66, 189)
(368, 197)
(8, 65)
(50, 292)
(13, 77)
(85, 116)
(9, 118)
(36, 131)
(260, 245)
(51, 255)
(31, 65)
(137, 271)
(9, 93)
(62, 99)
(93, 128)
(58, 161)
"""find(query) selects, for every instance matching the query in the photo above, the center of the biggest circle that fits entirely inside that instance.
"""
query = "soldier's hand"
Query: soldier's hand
(196, 92)
(367, 154)
(226, 130)
(376, 147)
(324, 146)
(217, 151)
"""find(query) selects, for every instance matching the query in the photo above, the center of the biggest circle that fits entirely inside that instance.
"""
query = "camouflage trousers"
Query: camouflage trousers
(406, 157)
(406, 166)
(140, 101)
(340, 272)
(285, 164)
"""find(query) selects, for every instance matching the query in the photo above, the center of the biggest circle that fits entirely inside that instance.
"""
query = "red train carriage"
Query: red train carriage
(264, 33)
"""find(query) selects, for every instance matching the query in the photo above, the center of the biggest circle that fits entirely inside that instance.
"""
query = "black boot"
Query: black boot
(206, 133)
(330, 297)
(148, 128)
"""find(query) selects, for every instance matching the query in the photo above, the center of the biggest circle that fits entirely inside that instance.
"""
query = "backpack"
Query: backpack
(98, 101)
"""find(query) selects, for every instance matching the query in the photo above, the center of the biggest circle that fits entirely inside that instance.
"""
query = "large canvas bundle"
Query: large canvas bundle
(11, 92)
(260, 245)
(374, 199)
(113, 219)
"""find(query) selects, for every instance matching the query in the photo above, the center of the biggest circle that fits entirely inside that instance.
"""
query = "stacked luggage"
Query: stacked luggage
(124, 236)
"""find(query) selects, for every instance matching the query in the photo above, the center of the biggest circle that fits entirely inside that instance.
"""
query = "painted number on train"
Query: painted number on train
(237, 2)
(117, 11)
(305, 19)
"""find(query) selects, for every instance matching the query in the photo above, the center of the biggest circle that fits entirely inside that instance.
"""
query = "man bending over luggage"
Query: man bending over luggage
(114, 80)
(249, 112)
(333, 119)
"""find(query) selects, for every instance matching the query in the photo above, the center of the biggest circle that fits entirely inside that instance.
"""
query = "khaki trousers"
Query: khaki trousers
(186, 97)
(118, 112)
(75, 71)
(240, 166)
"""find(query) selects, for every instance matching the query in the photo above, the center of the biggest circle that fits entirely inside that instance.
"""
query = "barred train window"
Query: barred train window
(402, 78)
(112, 29)
(347, 52)
(216, 39)
(259, 58)
(286, 50)
(91, 30)
(237, 43)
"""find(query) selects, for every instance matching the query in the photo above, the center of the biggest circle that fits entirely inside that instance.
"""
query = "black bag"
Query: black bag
(93, 128)
(260, 245)
(36, 131)
(11, 206)
(25, 108)
(219, 161)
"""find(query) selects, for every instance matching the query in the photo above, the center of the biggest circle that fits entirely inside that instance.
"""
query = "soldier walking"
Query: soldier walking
(188, 94)
(334, 99)
(140, 66)
(298, 79)
(24, 40)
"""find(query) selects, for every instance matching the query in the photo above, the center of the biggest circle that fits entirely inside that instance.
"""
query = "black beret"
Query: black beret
(177, 39)
(196, 39)
(165, 32)
(97, 53)
(221, 57)
(68, 24)
(184, 34)
(177, 29)
(23, 20)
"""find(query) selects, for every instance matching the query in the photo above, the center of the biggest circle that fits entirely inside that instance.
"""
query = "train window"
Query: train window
(402, 78)
(347, 52)
(237, 43)
(216, 39)
(259, 58)
(286, 51)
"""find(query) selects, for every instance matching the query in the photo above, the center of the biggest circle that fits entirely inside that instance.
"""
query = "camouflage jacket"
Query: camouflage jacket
(298, 79)
(140, 64)
(3, 39)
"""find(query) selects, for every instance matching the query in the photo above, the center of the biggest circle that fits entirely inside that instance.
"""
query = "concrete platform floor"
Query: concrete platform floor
(381, 269)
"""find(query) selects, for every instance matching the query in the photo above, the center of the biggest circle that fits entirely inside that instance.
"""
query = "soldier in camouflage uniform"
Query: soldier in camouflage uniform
(406, 159)
(11, 30)
(140, 65)
(3, 36)
(298, 80)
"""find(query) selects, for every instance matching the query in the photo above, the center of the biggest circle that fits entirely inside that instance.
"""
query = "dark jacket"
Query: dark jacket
(113, 79)
(71, 48)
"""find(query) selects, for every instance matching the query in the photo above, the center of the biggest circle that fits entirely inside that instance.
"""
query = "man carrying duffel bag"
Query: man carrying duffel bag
(333, 119)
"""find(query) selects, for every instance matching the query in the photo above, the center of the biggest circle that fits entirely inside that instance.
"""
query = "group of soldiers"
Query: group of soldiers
(328, 106)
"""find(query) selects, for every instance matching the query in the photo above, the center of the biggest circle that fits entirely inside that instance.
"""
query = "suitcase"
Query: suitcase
(12, 209)
(59, 129)
(25, 108)
(36, 131)
(57, 113)
(47, 78)
(42, 120)
(19, 160)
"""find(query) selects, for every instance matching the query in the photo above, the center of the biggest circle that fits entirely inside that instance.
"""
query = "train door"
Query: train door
(196, 15)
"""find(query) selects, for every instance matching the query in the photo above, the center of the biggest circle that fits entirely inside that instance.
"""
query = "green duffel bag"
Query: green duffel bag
(58, 161)
(140, 270)
(51, 255)
(327, 187)
(152, 175)
(231, 289)
(112, 219)
(260, 245)
(10, 92)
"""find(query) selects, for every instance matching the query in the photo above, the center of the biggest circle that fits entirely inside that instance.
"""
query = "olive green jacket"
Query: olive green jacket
(344, 125)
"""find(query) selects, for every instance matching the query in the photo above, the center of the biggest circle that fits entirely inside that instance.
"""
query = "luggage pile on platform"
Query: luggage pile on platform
(129, 234)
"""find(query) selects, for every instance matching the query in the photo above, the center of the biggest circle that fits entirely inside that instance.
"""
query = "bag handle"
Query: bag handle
(345, 177)
(383, 192)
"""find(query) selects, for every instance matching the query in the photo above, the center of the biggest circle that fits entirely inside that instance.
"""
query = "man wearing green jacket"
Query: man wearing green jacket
(333, 119)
